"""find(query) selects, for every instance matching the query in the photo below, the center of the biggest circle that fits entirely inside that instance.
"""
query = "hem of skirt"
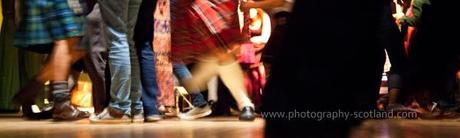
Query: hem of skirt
(22, 44)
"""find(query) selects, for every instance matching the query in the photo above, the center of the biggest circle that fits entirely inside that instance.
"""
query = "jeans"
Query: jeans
(119, 18)
(143, 36)
(182, 73)
(149, 82)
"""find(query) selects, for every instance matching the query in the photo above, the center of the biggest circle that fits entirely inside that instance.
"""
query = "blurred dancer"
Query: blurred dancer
(257, 30)
(275, 41)
(201, 106)
(206, 31)
(432, 59)
(51, 26)
(392, 39)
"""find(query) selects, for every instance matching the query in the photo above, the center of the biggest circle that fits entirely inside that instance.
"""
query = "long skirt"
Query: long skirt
(162, 49)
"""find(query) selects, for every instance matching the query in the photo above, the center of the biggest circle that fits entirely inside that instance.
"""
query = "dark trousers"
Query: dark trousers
(96, 59)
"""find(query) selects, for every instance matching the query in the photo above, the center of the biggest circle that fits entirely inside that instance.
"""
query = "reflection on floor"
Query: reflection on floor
(408, 129)
(214, 127)
(217, 127)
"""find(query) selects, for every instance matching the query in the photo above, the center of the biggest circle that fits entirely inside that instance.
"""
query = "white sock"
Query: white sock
(201, 73)
(232, 76)
(212, 89)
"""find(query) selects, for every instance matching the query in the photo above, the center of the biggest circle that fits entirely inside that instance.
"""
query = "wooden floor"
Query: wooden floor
(214, 127)
(408, 129)
(221, 127)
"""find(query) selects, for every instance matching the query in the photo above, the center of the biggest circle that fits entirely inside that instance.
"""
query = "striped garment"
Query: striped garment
(45, 21)
(201, 25)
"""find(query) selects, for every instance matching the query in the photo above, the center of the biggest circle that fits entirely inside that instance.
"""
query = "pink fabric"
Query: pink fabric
(162, 49)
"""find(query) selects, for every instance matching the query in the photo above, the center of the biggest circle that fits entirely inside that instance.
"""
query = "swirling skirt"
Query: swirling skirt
(199, 26)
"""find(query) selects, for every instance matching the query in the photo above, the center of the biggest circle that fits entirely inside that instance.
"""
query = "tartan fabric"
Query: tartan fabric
(45, 21)
(201, 25)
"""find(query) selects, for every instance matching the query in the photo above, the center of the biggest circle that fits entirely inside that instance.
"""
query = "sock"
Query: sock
(201, 74)
(60, 91)
(232, 76)
(212, 89)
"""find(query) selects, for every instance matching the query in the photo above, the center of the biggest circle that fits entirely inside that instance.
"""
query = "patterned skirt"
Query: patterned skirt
(45, 21)
(201, 25)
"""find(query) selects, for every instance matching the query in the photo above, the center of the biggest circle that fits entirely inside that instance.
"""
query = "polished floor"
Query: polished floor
(213, 127)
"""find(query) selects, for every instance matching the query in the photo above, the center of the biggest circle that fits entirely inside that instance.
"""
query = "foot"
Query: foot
(153, 118)
(448, 113)
(196, 112)
(110, 115)
(212, 104)
(67, 112)
(167, 110)
(137, 117)
(46, 113)
(247, 114)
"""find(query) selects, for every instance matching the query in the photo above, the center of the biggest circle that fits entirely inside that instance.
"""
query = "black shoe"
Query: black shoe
(247, 114)
(45, 113)
(212, 104)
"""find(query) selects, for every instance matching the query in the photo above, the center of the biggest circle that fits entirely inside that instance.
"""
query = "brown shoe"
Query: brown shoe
(67, 112)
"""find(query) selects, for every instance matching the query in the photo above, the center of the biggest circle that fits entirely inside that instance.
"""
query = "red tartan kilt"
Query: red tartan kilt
(191, 37)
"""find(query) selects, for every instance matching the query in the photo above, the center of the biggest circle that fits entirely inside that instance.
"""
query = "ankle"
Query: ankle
(60, 91)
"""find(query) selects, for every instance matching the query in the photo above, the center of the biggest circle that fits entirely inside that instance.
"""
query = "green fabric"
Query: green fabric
(9, 67)
(417, 8)
(46, 23)
(12, 77)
